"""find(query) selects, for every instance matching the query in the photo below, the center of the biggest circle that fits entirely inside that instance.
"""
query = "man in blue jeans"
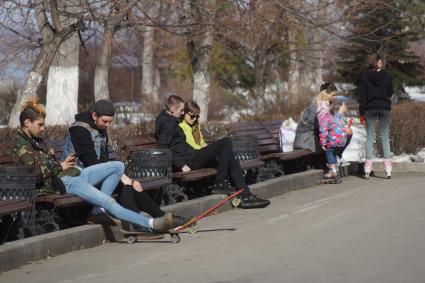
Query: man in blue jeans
(88, 137)
(53, 176)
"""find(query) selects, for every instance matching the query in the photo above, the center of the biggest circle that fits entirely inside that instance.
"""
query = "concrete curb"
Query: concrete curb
(17, 253)
(398, 168)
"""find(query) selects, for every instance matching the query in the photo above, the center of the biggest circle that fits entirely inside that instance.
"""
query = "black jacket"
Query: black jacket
(375, 91)
(83, 144)
(170, 135)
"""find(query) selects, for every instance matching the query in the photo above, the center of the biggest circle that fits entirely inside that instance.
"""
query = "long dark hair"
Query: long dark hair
(372, 60)
(193, 107)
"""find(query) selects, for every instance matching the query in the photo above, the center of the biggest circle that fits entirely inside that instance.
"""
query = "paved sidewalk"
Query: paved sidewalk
(359, 231)
(17, 253)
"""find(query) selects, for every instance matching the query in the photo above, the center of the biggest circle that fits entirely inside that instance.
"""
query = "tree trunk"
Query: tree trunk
(101, 74)
(200, 51)
(29, 90)
(260, 72)
(294, 83)
(149, 85)
(62, 82)
(321, 43)
(39, 70)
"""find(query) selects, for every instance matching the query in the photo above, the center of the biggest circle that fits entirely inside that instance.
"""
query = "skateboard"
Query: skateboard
(116, 233)
(131, 237)
(330, 181)
(192, 227)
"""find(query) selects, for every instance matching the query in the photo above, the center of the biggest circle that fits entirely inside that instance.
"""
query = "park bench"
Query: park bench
(52, 210)
(245, 149)
(248, 156)
(267, 134)
(17, 202)
(152, 167)
(11, 206)
(10, 217)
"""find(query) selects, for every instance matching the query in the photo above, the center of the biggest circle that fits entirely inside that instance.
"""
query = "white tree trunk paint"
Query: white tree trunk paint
(101, 88)
(62, 95)
(149, 86)
(62, 84)
(201, 86)
(34, 80)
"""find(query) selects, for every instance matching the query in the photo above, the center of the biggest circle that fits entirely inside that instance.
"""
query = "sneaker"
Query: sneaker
(388, 167)
(164, 223)
(367, 169)
(222, 187)
(252, 201)
(100, 218)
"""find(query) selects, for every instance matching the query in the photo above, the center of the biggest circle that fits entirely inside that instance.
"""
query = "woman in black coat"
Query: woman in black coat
(375, 105)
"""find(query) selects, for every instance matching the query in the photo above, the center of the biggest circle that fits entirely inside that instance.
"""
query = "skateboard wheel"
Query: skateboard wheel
(175, 238)
(193, 229)
(131, 240)
(236, 202)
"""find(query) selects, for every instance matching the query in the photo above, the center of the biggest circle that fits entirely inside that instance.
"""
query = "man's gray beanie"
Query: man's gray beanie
(104, 108)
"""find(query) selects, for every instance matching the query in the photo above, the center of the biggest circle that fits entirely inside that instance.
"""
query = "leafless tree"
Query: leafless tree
(52, 37)
(116, 12)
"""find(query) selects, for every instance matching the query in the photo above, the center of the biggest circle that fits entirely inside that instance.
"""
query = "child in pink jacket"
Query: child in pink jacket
(333, 134)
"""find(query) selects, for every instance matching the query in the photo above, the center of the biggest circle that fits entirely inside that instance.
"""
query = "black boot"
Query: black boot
(252, 201)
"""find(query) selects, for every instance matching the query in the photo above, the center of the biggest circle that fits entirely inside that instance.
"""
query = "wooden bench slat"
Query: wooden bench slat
(13, 205)
(287, 155)
(249, 164)
(294, 154)
(155, 182)
(61, 201)
(195, 174)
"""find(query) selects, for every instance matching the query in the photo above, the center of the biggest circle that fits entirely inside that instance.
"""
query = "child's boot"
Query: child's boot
(335, 178)
(367, 168)
(388, 167)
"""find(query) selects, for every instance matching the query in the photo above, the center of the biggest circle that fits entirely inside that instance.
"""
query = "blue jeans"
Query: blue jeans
(331, 155)
(383, 116)
(109, 174)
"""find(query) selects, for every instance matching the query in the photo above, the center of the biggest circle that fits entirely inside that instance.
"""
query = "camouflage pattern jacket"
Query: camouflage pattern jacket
(27, 151)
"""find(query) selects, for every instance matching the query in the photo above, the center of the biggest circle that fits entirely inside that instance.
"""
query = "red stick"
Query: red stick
(211, 209)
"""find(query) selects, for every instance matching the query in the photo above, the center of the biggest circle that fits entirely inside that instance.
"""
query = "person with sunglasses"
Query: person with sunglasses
(194, 154)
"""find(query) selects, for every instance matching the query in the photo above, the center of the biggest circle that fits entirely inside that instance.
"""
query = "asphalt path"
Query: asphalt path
(358, 231)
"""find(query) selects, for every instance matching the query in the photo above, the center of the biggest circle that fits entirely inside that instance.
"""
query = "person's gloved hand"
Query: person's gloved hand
(362, 120)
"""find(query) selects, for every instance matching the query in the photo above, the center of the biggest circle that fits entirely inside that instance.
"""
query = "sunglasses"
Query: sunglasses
(193, 116)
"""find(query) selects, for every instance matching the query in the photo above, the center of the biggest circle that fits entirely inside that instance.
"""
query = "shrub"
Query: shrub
(406, 133)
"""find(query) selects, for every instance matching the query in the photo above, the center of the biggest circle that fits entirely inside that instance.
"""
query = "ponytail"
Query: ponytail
(31, 110)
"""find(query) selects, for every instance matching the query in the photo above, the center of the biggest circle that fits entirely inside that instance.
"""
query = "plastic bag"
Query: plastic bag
(287, 135)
